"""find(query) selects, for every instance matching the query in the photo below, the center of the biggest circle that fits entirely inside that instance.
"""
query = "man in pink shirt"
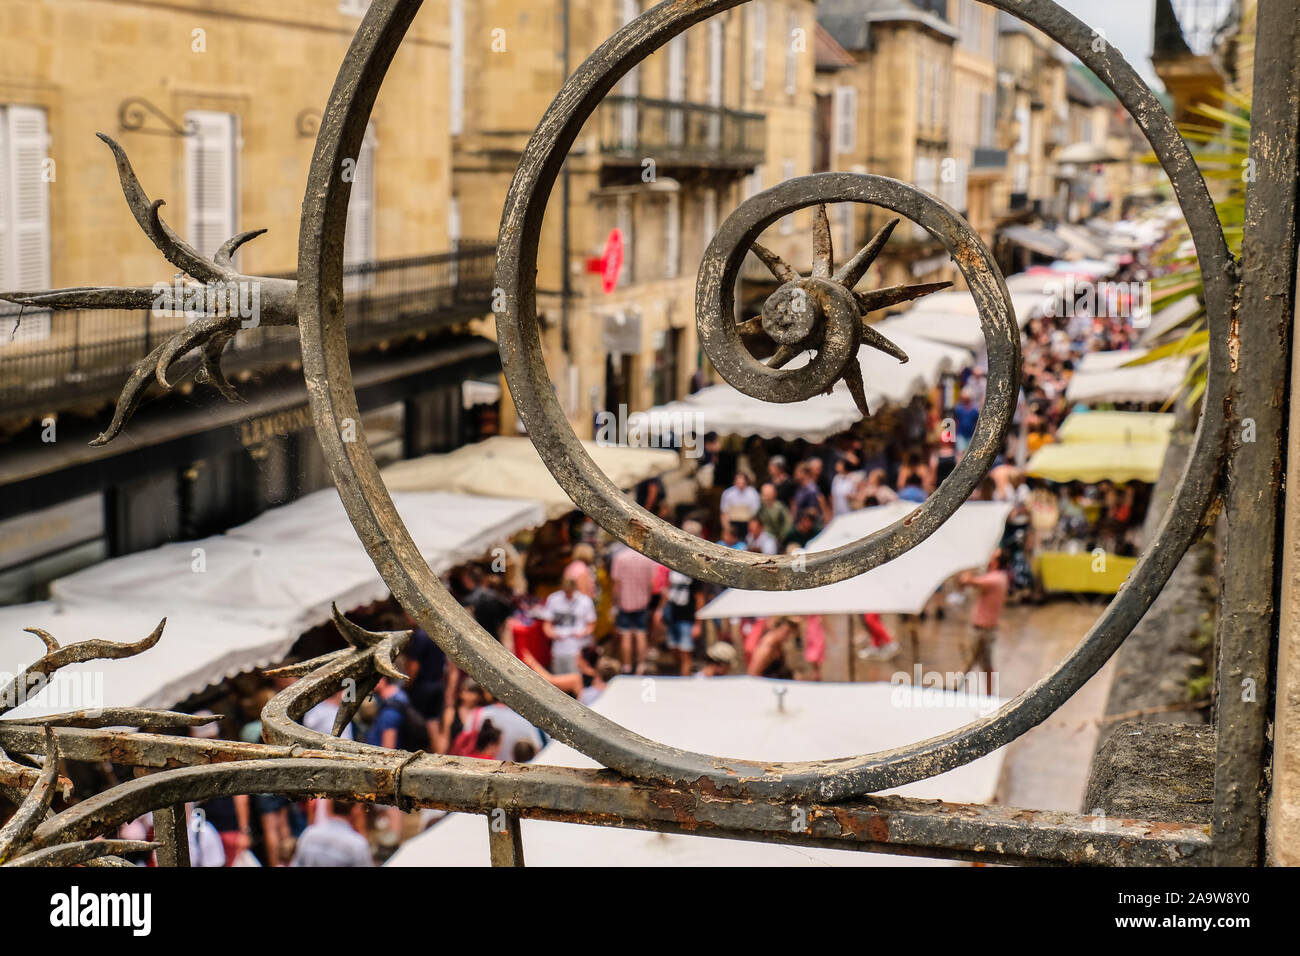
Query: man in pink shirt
(993, 586)
(632, 575)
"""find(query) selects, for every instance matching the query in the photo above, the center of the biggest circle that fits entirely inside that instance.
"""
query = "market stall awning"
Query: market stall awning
(902, 586)
(1043, 241)
(196, 650)
(285, 569)
(1090, 461)
(735, 717)
(723, 409)
(952, 318)
(1169, 318)
(506, 466)
(1117, 427)
(1085, 154)
(1106, 377)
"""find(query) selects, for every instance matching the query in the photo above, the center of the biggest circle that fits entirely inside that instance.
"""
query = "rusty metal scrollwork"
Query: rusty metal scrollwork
(668, 789)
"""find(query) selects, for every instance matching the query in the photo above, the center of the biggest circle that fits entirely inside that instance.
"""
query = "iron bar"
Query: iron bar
(1246, 622)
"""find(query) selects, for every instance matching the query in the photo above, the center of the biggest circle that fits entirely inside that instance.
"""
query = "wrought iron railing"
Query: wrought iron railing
(655, 786)
(49, 359)
(634, 128)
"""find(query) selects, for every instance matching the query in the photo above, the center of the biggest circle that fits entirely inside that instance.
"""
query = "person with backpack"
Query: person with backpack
(397, 725)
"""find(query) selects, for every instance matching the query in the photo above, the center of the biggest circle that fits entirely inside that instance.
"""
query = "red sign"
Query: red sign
(610, 264)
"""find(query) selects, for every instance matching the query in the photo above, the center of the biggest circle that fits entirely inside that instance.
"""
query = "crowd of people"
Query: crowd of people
(580, 608)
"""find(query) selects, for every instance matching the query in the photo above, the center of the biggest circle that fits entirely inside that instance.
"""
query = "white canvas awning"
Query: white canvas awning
(735, 717)
(903, 586)
(284, 569)
(196, 650)
(723, 409)
(1170, 318)
(952, 318)
(509, 467)
(1101, 377)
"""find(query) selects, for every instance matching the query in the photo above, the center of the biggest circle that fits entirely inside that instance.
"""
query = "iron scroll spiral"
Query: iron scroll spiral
(333, 402)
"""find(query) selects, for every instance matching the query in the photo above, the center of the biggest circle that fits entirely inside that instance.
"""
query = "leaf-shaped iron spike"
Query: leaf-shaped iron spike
(878, 341)
(823, 248)
(31, 811)
(86, 297)
(387, 650)
(225, 255)
(783, 355)
(358, 636)
(117, 717)
(78, 653)
(348, 708)
(896, 294)
(83, 851)
(101, 650)
(303, 668)
(775, 264)
(853, 379)
(132, 394)
(851, 273)
(211, 373)
(187, 338)
(48, 639)
(175, 249)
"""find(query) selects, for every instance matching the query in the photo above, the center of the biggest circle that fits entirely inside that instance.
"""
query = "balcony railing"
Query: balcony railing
(635, 128)
(1193, 27)
(54, 359)
(986, 158)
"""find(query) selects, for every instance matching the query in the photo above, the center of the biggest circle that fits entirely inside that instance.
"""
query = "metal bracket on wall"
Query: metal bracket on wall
(133, 116)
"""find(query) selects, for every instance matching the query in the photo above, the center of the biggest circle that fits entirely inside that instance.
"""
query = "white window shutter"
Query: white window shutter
(211, 180)
(29, 216)
(457, 57)
(791, 57)
(359, 233)
(846, 119)
(716, 55)
(758, 44)
(673, 236)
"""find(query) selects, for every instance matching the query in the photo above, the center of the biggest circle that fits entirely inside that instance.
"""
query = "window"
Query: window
(673, 235)
(211, 181)
(844, 220)
(846, 119)
(757, 44)
(630, 86)
(24, 215)
(754, 182)
(988, 135)
(628, 272)
(359, 234)
(952, 188)
(791, 54)
(456, 55)
(709, 201)
(354, 8)
(675, 90)
(716, 45)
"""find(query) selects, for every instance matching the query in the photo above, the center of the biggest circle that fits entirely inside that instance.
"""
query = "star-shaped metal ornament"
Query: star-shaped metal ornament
(794, 321)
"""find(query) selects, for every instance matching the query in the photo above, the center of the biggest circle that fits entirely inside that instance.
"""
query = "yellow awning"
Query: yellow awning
(1119, 428)
(1083, 573)
(509, 467)
(1098, 461)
